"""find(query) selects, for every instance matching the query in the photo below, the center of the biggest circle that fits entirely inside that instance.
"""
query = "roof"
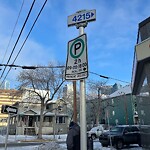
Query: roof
(55, 101)
(122, 91)
(28, 112)
(9, 91)
(144, 22)
(32, 112)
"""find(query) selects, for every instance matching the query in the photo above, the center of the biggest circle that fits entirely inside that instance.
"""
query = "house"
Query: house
(95, 106)
(28, 104)
(119, 107)
(26, 121)
(116, 108)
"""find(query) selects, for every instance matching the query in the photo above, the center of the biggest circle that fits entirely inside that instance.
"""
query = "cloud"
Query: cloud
(110, 37)
(35, 53)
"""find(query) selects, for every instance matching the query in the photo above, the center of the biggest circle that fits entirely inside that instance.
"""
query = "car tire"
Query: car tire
(139, 142)
(119, 144)
(104, 145)
(140, 145)
(93, 136)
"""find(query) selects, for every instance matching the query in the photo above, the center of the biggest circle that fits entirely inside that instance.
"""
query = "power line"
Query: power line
(30, 31)
(106, 77)
(26, 38)
(31, 67)
(36, 67)
(13, 31)
(19, 36)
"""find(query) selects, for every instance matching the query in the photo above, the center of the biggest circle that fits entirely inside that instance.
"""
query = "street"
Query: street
(25, 142)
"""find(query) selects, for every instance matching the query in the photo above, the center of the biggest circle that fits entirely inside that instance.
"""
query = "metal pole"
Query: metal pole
(6, 139)
(109, 128)
(74, 102)
(54, 128)
(99, 109)
(83, 130)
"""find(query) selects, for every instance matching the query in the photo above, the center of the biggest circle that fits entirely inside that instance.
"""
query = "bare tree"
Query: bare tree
(96, 88)
(42, 79)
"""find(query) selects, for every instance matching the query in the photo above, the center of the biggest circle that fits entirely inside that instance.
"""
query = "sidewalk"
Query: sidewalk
(22, 142)
(32, 143)
(17, 142)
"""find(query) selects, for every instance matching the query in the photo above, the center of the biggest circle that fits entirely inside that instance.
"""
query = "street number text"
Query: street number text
(82, 17)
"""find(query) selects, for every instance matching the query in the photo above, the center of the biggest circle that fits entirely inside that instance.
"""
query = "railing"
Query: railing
(29, 131)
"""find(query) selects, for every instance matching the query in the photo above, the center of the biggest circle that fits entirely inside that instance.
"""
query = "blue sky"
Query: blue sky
(111, 38)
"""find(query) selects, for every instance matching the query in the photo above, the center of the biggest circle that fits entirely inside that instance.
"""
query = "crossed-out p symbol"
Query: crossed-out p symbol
(77, 48)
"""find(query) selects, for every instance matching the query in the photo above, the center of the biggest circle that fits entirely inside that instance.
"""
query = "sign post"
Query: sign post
(83, 108)
(6, 109)
(7, 132)
(78, 51)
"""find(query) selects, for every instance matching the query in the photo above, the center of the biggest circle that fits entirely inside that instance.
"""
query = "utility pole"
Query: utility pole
(99, 103)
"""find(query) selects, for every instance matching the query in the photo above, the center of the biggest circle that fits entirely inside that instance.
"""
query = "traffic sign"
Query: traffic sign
(82, 16)
(77, 62)
(9, 109)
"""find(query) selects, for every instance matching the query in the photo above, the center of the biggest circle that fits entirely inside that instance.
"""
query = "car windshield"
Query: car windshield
(117, 129)
(96, 128)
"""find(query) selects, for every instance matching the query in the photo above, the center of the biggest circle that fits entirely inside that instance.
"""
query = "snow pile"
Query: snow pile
(49, 146)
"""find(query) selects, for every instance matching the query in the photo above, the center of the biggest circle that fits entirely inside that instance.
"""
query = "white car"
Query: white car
(95, 132)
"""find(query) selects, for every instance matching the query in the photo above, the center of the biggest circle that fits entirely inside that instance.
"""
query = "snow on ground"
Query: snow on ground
(49, 145)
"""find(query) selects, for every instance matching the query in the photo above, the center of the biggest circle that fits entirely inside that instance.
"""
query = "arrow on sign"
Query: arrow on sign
(92, 14)
(11, 110)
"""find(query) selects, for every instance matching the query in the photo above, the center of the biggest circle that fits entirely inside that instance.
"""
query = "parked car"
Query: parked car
(95, 132)
(121, 135)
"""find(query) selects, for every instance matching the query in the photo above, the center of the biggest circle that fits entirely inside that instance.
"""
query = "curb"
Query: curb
(13, 144)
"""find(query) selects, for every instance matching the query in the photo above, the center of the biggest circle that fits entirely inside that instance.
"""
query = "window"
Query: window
(113, 112)
(60, 120)
(134, 129)
(142, 112)
(127, 129)
(47, 119)
(112, 101)
(49, 106)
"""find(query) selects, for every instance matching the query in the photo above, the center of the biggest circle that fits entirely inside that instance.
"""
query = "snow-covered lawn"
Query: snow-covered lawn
(50, 143)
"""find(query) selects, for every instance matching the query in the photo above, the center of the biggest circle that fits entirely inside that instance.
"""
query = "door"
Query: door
(30, 121)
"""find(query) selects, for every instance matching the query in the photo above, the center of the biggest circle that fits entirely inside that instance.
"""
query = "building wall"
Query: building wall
(7, 97)
(141, 81)
(120, 110)
(143, 104)
(29, 95)
(68, 90)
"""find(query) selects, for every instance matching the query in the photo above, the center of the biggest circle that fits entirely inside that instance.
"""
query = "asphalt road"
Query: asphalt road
(26, 144)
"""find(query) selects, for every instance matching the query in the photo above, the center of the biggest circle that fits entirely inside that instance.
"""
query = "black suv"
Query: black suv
(121, 135)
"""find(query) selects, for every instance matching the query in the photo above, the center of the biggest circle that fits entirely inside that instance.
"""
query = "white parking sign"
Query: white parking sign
(77, 62)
